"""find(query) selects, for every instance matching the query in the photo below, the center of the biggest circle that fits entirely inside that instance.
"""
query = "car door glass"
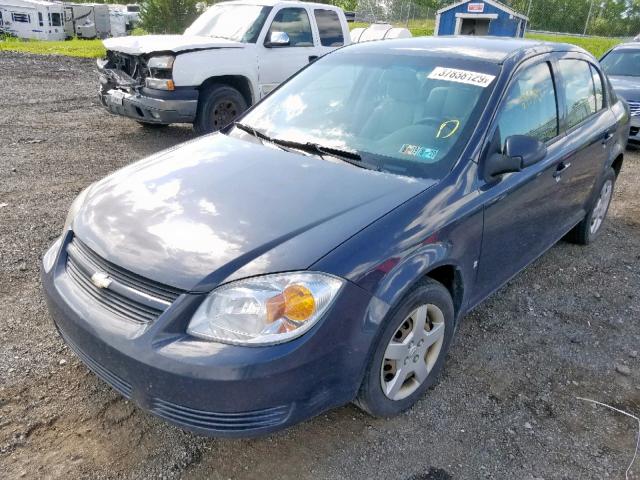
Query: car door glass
(530, 107)
(295, 23)
(329, 28)
(599, 89)
(579, 90)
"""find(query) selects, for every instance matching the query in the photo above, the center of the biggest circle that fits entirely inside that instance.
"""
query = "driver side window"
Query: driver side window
(530, 107)
(295, 23)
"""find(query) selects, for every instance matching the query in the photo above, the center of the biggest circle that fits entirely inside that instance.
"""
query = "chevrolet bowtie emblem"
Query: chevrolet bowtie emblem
(101, 280)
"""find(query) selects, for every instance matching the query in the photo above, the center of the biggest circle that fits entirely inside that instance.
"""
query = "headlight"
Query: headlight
(75, 207)
(164, 62)
(265, 310)
(160, 84)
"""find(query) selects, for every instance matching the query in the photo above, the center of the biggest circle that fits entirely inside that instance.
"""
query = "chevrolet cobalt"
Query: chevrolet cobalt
(323, 248)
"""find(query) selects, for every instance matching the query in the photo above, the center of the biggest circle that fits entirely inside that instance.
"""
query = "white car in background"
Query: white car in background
(234, 54)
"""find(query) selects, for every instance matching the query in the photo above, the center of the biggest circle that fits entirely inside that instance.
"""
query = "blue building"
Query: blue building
(480, 17)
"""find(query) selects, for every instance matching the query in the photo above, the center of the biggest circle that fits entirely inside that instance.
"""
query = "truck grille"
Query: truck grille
(634, 108)
(128, 295)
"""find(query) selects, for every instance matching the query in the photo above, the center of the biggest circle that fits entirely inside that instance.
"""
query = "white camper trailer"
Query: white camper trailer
(119, 22)
(35, 19)
(87, 20)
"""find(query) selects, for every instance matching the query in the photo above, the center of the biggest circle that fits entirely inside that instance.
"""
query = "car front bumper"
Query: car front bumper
(208, 387)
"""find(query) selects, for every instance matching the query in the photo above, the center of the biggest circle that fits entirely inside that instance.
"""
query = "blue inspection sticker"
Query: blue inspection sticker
(419, 151)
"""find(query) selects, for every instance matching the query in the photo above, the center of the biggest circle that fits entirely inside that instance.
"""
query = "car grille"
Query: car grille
(189, 417)
(634, 108)
(129, 295)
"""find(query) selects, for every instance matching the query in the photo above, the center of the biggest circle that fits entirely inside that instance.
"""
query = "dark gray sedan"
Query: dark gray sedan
(622, 66)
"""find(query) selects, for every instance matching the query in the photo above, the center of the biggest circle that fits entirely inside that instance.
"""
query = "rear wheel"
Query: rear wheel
(219, 105)
(589, 228)
(411, 351)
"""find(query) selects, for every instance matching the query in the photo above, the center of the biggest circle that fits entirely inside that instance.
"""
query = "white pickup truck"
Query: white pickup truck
(234, 54)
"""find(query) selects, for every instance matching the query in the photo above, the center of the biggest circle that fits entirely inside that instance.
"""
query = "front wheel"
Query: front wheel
(219, 105)
(410, 352)
(589, 228)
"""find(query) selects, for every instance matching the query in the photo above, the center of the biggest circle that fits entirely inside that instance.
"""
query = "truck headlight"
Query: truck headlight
(265, 310)
(164, 62)
(160, 84)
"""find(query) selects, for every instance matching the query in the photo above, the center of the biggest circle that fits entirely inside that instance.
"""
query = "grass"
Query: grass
(94, 48)
(71, 48)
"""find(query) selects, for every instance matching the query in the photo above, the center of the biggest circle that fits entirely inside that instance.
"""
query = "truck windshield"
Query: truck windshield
(241, 23)
(408, 114)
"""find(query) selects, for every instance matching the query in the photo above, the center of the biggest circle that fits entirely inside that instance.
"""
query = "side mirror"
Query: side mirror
(278, 39)
(520, 151)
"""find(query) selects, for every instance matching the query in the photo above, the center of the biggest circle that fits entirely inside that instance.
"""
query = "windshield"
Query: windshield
(241, 23)
(405, 114)
(622, 62)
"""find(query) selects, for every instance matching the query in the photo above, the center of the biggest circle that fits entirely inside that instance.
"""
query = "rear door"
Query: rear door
(330, 31)
(521, 217)
(276, 64)
(590, 128)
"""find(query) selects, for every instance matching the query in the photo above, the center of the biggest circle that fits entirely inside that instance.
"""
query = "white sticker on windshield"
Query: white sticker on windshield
(461, 76)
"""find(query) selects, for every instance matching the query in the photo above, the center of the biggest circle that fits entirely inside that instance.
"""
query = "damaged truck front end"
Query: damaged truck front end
(141, 87)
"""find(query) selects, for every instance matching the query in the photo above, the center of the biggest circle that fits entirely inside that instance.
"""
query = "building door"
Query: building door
(475, 26)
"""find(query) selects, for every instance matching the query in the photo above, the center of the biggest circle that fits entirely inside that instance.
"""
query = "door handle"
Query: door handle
(313, 58)
(607, 136)
(562, 166)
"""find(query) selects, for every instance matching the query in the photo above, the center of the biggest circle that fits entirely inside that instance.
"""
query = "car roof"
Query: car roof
(490, 49)
(627, 46)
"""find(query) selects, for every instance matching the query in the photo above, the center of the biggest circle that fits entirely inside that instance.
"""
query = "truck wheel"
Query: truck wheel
(219, 105)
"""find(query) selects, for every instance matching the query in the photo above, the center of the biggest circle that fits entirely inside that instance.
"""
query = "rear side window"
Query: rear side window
(295, 23)
(530, 107)
(579, 90)
(55, 19)
(329, 28)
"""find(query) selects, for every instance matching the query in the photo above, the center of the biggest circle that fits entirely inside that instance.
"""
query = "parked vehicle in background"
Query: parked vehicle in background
(324, 247)
(622, 66)
(32, 19)
(233, 55)
(87, 20)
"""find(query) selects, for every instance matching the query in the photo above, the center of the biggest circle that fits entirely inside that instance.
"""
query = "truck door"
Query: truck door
(330, 30)
(277, 63)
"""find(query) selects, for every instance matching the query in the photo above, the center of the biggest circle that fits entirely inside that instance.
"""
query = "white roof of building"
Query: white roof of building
(494, 3)
(29, 3)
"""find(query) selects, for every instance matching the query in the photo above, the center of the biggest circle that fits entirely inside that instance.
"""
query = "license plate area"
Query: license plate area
(116, 97)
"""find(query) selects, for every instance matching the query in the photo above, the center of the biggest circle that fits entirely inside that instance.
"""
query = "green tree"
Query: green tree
(168, 16)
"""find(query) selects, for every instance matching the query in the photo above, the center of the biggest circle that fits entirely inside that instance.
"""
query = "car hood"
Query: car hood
(139, 45)
(627, 87)
(219, 208)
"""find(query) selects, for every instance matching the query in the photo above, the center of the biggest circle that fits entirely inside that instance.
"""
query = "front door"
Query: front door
(276, 64)
(521, 218)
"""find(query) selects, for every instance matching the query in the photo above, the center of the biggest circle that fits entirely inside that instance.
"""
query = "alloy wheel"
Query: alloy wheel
(412, 352)
(602, 205)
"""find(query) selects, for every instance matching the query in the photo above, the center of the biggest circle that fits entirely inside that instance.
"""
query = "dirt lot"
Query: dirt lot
(505, 407)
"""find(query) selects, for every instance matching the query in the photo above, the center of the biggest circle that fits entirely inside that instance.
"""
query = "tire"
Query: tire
(219, 105)
(380, 394)
(590, 227)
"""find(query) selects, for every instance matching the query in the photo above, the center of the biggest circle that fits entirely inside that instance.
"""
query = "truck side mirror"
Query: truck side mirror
(278, 39)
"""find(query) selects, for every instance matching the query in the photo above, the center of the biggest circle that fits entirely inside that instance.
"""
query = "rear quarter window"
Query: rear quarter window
(329, 28)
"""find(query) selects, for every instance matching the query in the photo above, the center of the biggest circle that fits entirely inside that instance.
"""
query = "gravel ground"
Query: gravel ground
(506, 404)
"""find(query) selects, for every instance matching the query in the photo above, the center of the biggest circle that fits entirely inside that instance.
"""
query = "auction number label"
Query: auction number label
(461, 76)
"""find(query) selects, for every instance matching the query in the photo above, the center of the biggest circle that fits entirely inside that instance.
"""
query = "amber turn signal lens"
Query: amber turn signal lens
(296, 303)
(299, 303)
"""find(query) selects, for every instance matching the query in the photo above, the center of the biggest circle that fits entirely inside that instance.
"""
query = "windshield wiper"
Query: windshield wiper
(259, 135)
(348, 156)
